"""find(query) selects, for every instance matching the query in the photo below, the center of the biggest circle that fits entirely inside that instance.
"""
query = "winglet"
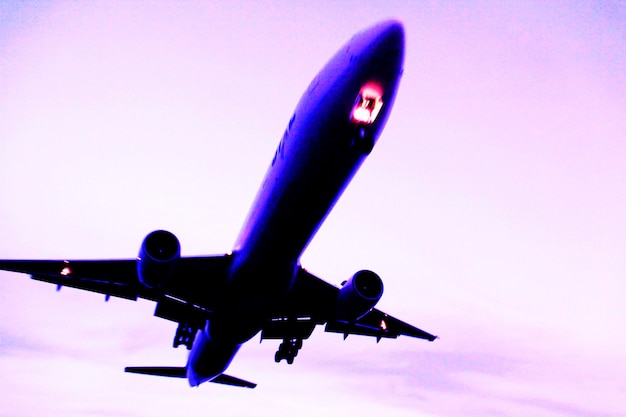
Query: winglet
(181, 372)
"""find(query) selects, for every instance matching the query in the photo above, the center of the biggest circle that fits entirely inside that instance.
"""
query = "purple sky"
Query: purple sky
(493, 207)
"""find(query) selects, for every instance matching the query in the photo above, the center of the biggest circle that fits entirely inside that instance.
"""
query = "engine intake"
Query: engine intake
(158, 255)
(359, 295)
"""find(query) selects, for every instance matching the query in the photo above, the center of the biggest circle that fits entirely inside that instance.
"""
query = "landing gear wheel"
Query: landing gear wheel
(288, 350)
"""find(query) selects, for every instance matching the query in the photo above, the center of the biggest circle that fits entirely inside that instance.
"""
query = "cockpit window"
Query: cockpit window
(367, 105)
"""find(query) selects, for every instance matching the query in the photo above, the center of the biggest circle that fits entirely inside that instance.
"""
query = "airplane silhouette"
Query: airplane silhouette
(220, 302)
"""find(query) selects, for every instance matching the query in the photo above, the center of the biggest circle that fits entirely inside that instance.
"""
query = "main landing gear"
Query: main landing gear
(185, 335)
(288, 350)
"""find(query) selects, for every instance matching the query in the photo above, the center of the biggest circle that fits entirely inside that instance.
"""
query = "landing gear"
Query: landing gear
(288, 350)
(185, 335)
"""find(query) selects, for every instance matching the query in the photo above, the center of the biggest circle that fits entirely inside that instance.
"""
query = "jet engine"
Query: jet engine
(359, 295)
(159, 253)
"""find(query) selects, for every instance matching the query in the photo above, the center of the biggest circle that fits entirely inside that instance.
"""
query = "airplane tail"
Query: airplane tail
(181, 372)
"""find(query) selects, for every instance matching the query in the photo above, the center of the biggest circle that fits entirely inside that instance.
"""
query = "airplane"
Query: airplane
(220, 302)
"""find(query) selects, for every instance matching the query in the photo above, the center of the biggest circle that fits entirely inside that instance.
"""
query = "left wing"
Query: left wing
(188, 297)
(313, 301)
(110, 277)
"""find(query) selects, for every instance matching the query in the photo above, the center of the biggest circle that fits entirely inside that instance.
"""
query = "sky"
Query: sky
(493, 206)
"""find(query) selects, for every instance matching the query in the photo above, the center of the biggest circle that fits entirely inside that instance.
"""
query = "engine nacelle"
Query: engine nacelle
(159, 253)
(359, 295)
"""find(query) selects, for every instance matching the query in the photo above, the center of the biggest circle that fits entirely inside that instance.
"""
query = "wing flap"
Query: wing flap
(288, 329)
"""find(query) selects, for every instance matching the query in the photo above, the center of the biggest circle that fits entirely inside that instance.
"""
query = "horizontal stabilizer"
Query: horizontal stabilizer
(169, 371)
(231, 380)
(181, 372)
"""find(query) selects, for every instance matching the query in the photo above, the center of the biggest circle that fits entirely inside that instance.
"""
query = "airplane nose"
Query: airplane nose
(391, 33)
(387, 47)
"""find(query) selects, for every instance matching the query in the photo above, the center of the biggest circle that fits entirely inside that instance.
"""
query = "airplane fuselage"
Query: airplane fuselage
(333, 129)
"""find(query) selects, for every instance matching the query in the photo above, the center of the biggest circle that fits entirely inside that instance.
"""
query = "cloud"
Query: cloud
(567, 409)
(502, 379)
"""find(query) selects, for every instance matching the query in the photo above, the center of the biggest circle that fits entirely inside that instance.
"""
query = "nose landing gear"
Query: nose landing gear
(288, 350)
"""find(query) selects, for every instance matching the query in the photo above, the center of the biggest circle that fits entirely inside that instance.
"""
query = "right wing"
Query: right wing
(313, 301)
